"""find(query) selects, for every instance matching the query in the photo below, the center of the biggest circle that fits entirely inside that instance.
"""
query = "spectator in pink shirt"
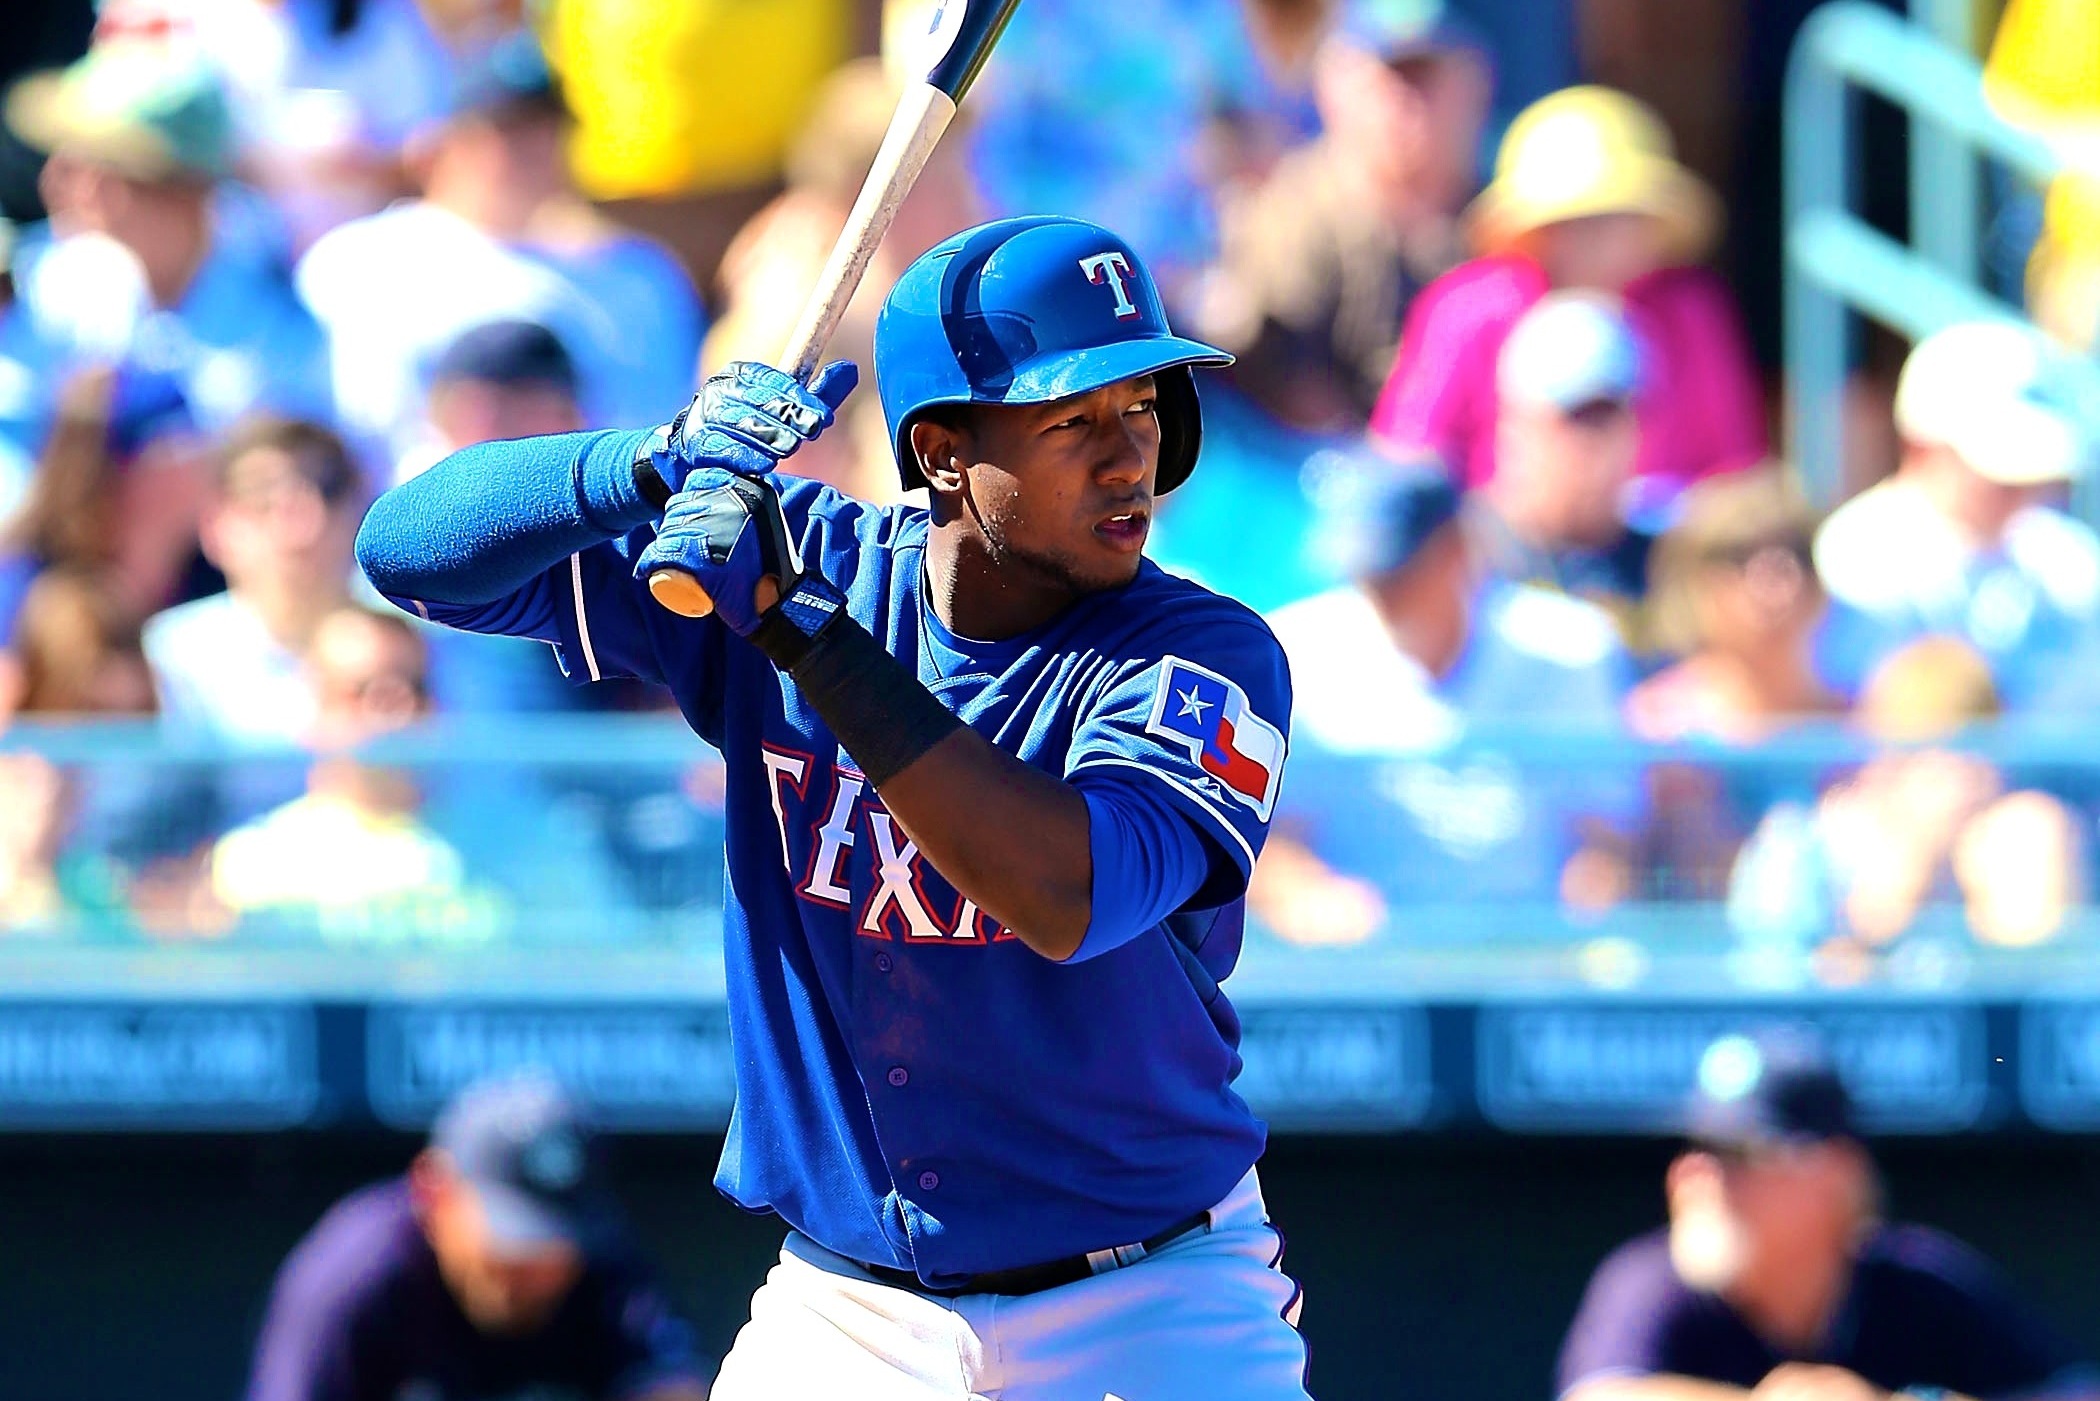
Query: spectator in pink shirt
(1587, 194)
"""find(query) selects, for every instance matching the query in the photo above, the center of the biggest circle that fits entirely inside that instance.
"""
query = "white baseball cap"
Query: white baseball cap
(1570, 349)
(1989, 391)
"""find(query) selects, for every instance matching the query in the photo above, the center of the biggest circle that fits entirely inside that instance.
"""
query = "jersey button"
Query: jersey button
(899, 1076)
(929, 1180)
(883, 963)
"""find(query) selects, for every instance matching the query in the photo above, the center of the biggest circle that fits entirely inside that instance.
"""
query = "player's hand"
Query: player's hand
(748, 419)
(726, 529)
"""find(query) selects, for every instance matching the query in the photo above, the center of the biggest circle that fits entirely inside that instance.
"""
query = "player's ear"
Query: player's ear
(938, 448)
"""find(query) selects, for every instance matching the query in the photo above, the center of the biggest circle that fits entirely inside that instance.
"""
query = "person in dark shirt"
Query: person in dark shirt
(1776, 1279)
(494, 1271)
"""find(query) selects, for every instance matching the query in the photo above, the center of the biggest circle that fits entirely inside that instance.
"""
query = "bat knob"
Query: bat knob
(681, 593)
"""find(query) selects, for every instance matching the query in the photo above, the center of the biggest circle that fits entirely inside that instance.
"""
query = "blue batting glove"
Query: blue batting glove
(728, 531)
(748, 419)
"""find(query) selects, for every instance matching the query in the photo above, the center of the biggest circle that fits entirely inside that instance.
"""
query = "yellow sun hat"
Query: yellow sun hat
(1585, 151)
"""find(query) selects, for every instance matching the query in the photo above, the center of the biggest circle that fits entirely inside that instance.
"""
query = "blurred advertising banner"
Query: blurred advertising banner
(1910, 1068)
(1351, 1062)
(208, 1065)
(637, 1066)
(2060, 1064)
(1336, 1068)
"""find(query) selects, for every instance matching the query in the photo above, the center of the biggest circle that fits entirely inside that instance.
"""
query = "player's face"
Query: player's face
(1794, 1206)
(1063, 491)
(501, 1289)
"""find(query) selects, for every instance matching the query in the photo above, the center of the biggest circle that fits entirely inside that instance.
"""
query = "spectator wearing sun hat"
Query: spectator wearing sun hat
(136, 261)
(1961, 541)
(1587, 195)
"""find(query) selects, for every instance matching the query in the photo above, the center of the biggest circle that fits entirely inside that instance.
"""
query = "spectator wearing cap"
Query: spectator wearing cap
(1567, 436)
(501, 379)
(1420, 652)
(1776, 1277)
(497, 1266)
(1587, 195)
(323, 93)
(498, 233)
(1319, 261)
(136, 260)
(1961, 541)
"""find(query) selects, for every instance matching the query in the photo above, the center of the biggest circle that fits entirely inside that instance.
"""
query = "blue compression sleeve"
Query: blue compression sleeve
(490, 519)
(1148, 861)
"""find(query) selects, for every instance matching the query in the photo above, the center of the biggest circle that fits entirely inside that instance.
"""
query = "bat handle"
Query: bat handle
(921, 118)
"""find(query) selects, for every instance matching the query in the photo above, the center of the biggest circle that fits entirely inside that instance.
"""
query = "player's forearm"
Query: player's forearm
(490, 518)
(1007, 835)
(1010, 837)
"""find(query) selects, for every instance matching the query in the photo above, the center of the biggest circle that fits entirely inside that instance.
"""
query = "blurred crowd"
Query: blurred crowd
(1497, 459)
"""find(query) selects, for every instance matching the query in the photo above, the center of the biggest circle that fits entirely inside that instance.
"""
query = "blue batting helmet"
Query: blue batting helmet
(1025, 311)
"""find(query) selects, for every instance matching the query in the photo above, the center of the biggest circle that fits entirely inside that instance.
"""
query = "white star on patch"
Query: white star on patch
(1192, 704)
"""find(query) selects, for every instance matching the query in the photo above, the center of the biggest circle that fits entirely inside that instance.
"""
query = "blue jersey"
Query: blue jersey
(915, 1086)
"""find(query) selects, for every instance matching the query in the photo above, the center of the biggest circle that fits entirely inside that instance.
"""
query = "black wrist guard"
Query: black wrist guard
(788, 629)
(874, 705)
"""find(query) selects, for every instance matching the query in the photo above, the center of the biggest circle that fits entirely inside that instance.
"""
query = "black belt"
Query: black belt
(1034, 1279)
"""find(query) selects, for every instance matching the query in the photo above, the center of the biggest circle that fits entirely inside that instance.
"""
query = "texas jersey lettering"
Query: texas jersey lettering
(818, 840)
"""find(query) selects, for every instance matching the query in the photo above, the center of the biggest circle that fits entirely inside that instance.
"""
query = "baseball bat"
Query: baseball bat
(959, 38)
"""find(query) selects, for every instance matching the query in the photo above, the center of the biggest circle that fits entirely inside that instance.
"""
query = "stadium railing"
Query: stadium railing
(591, 850)
(1837, 264)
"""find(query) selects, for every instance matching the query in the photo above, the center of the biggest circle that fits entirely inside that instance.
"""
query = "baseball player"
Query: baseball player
(1777, 1280)
(497, 1269)
(995, 786)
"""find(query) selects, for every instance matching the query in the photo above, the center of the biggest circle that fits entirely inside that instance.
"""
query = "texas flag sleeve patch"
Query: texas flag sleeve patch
(1209, 716)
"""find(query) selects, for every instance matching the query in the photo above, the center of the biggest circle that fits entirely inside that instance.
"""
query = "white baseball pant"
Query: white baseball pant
(1208, 1317)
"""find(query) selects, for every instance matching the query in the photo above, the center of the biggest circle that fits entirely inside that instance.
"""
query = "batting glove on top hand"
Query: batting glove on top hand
(747, 419)
(727, 530)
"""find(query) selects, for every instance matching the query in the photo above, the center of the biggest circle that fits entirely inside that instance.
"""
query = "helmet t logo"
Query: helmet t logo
(1111, 267)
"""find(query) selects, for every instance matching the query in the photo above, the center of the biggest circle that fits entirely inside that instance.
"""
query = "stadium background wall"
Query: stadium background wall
(1442, 1267)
